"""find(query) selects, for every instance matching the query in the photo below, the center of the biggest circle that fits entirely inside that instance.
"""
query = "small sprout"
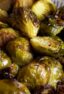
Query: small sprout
(48, 45)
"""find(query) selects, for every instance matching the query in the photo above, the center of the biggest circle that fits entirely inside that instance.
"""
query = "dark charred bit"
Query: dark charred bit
(4, 73)
(47, 89)
(60, 87)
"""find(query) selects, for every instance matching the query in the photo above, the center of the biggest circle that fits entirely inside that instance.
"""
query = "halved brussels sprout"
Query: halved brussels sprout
(25, 21)
(48, 45)
(19, 50)
(51, 27)
(7, 34)
(12, 87)
(41, 72)
(42, 8)
(4, 60)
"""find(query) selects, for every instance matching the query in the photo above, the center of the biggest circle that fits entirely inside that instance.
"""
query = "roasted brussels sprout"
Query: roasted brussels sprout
(42, 8)
(12, 87)
(26, 21)
(48, 45)
(34, 74)
(19, 50)
(41, 72)
(4, 60)
(23, 3)
(51, 27)
(7, 34)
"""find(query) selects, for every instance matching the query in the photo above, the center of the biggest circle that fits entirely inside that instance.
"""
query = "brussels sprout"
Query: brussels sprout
(42, 8)
(41, 72)
(56, 70)
(51, 27)
(26, 21)
(23, 3)
(19, 50)
(48, 45)
(7, 34)
(3, 25)
(12, 87)
(34, 74)
(4, 60)
(5, 4)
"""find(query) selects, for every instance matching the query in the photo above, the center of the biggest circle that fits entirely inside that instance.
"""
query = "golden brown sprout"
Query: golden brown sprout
(48, 45)
(34, 74)
(19, 50)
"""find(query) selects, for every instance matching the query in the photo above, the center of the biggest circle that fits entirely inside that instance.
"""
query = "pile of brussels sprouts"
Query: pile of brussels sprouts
(32, 47)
